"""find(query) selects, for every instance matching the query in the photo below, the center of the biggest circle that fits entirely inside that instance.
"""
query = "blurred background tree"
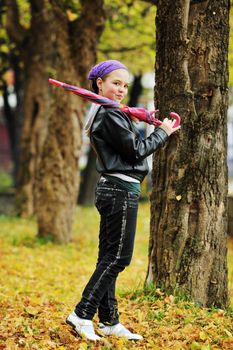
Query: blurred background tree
(60, 39)
(51, 41)
(10, 86)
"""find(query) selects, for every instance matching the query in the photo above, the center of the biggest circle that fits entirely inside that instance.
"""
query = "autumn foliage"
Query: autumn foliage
(40, 284)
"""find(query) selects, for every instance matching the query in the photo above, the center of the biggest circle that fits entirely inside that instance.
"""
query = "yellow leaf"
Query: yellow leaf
(140, 316)
(71, 15)
(202, 335)
(195, 346)
(4, 48)
(228, 333)
(158, 291)
(205, 347)
(172, 298)
(10, 344)
(30, 310)
(83, 346)
(178, 198)
(120, 343)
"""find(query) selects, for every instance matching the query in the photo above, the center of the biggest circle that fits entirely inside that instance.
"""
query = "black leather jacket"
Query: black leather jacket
(119, 145)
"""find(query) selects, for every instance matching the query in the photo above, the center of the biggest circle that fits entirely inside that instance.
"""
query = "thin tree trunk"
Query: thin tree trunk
(88, 180)
(135, 91)
(188, 203)
(9, 118)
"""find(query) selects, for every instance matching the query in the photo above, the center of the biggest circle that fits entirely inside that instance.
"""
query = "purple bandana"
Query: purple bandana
(105, 67)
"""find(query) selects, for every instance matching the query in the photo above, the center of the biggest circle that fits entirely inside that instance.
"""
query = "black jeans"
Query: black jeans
(118, 212)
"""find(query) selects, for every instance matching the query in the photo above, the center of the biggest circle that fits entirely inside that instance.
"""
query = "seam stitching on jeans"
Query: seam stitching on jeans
(117, 256)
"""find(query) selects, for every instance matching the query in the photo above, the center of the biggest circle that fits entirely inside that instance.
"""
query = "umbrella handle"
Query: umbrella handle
(172, 115)
(177, 117)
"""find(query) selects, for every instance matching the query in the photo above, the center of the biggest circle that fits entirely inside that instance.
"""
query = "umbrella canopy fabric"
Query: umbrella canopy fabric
(135, 113)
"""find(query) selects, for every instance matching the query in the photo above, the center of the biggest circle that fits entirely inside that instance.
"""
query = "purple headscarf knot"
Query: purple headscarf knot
(105, 67)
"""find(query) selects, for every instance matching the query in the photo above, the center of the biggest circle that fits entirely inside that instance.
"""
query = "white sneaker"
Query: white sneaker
(82, 327)
(119, 331)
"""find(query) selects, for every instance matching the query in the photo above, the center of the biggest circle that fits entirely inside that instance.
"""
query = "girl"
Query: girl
(121, 162)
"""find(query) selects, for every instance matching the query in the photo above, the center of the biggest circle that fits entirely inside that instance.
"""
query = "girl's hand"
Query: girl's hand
(168, 126)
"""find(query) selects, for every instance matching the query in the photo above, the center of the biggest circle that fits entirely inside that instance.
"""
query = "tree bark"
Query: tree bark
(59, 172)
(51, 135)
(32, 45)
(58, 175)
(187, 251)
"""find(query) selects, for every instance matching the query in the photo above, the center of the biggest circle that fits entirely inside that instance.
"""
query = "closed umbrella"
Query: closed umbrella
(135, 113)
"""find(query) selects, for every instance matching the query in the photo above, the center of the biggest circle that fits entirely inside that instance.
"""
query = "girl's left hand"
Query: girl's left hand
(168, 126)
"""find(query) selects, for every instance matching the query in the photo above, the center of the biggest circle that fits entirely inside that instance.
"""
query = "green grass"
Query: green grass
(40, 283)
(6, 181)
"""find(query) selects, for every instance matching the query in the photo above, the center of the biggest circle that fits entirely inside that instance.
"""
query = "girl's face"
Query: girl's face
(115, 85)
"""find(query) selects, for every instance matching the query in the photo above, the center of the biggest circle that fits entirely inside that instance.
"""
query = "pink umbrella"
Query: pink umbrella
(135, 113)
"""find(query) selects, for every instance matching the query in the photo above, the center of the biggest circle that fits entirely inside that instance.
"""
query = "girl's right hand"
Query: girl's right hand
(168, 126)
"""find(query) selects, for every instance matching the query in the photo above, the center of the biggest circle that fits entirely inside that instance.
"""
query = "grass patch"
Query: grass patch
(6, 181)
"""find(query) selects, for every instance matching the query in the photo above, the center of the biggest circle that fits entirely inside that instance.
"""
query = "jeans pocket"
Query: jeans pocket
(104, 202)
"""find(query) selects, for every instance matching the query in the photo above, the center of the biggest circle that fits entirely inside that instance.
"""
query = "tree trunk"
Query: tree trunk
(187, 251)
(58, 177)
(59, 172)
(36, 47)
(51, 135)
(9, 117)
(13, 116)
(88, 180)
(135, 91)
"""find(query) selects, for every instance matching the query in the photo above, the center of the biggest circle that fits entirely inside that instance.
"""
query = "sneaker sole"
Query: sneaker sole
(100, 332)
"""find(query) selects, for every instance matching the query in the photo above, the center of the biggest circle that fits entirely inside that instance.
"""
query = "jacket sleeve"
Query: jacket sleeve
(125, 142)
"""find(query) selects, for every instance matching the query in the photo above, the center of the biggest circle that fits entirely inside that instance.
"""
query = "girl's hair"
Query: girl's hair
(94, 86)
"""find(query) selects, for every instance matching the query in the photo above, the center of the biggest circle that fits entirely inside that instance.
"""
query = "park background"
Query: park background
(41, 281)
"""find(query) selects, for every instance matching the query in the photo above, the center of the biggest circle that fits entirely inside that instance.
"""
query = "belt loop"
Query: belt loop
(102, 179)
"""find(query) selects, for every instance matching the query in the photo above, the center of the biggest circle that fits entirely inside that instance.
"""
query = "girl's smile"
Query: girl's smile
(115, 85)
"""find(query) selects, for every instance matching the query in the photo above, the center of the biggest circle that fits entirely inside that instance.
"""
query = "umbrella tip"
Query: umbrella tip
(55, 82)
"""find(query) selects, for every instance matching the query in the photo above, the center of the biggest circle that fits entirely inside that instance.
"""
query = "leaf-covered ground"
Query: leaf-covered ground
(40, 284)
